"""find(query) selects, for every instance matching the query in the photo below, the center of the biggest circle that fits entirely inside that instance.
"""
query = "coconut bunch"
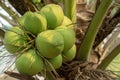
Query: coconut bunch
(42, 40)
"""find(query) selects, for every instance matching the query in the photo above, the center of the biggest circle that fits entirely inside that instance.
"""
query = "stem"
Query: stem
(70, 9)
(109, 58)
(50, 70)
(91, 33)
(50, 76)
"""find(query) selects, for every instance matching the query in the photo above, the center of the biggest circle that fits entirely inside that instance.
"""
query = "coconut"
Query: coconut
(22, 19)
(15, 40)
(70, 54)
(54, 15)
(50, 43)
(56, 62)
(67, 22)
(29, 63)
(34, 23)
(36, 1)
(68, 36)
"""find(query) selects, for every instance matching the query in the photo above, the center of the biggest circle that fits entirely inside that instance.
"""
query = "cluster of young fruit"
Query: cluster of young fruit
(43, 36)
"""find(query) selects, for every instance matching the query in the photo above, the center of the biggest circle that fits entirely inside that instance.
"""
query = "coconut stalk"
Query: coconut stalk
(109, 58)
(70, 9)
(87, 44)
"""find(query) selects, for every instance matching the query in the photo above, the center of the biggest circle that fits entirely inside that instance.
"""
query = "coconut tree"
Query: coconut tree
(96, 28)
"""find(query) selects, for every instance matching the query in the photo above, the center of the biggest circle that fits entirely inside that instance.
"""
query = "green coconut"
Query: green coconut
(67, 22)
(29, 63)
(34, 23)
(36, 1)
(22, 19)
(15, 40)
(70, 54)
(54, 15)
(50, 43)
(56, 62)
(68, 36)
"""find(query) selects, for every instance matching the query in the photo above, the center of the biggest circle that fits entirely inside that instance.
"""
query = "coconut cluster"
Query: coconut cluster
(43, 39)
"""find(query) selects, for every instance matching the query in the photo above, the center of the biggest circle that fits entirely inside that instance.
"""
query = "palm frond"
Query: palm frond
(6, 60)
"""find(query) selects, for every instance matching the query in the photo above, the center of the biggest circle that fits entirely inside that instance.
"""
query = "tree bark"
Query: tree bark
(23, 5)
